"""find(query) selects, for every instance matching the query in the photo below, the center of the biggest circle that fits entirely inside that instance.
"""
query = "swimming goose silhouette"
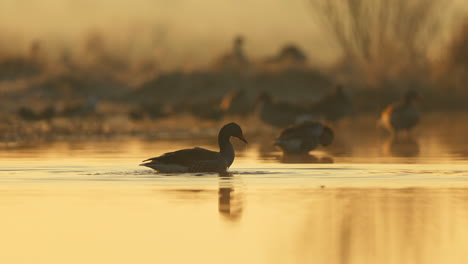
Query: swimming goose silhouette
(304, 137)
(403, 115)
(199, 159)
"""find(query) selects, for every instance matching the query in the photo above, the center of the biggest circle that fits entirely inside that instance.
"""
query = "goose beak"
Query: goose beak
(243, 139)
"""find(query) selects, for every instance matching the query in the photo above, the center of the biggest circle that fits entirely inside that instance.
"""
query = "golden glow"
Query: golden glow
(100, 223)
(89, 202)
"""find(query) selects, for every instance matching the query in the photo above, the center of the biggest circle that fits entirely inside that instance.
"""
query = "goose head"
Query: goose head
(232, 130)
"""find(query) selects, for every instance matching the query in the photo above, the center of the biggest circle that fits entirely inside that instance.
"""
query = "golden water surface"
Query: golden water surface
(380, 201)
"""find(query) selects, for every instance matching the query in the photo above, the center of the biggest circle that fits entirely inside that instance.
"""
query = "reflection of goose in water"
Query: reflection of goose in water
(304, 158)
(401, 116)
(401, 146)
(230, 200)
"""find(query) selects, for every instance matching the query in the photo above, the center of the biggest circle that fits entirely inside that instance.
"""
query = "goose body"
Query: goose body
(199, 159)
(304, 137)
(403, 115)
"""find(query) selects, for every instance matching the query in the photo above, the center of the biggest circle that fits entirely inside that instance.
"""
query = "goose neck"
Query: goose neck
(226, 149)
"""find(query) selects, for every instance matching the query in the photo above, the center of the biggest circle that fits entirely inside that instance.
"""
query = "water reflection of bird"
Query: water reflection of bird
(402, 147)
(230, 199)
(278, 114)
(199, 159)
(401, 116)
(304, 137)
(334, 106)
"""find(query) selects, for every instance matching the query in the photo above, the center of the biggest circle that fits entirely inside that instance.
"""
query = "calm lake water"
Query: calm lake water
(380, 201)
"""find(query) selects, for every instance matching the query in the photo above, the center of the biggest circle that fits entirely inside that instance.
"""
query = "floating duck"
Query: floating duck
(304, 137)
(199, 159)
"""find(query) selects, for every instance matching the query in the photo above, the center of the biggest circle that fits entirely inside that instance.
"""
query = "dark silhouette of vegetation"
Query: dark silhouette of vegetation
(453, 67)
(382, 39)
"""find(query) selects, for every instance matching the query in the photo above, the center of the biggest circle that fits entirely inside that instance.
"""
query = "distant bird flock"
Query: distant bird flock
(296, 140)
(303, 126)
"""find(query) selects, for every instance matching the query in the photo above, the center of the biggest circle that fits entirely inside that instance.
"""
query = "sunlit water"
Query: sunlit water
(378, 202)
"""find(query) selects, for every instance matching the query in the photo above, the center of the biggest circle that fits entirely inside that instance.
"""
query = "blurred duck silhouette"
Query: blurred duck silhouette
(401, 116)
(13, 66)
(236, 58)
(199, 159)
(236, 103)
(334, 106)
(289, 54)
(304, 137)
(279, 114)
(30, 114)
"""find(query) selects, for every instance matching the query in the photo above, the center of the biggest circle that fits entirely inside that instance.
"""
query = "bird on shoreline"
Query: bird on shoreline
(236, 103)
(199, 159)
(401, 116)
(304, 137)
(236, 58)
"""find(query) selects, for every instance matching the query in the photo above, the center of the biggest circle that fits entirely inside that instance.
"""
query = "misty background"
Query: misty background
(179, 32)
(63, 59)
